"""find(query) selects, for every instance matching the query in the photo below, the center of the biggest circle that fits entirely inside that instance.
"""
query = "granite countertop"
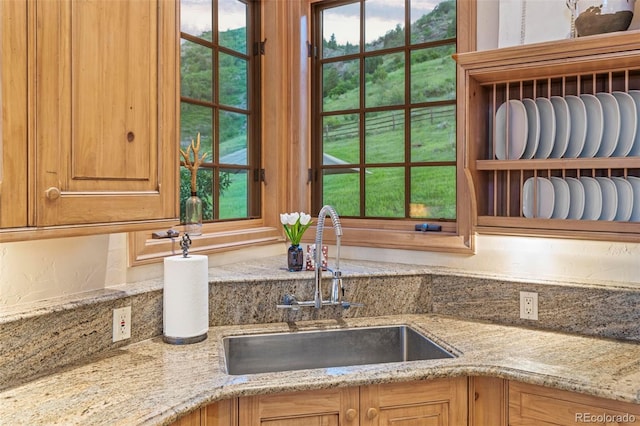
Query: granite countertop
(152, 383)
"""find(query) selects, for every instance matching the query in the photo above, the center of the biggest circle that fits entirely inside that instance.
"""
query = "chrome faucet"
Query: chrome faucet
(336, 284)
(335, 297)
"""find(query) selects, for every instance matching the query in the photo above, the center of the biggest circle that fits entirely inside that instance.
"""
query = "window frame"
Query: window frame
(456, 236)
(286, 132)
(278, 115)
(213, 161)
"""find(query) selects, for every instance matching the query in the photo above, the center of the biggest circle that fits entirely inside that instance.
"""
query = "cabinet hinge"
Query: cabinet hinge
(259, 47)
(310, 176)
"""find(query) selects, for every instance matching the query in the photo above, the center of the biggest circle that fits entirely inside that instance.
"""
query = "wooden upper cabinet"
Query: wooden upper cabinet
(105, 111)
(13, 120)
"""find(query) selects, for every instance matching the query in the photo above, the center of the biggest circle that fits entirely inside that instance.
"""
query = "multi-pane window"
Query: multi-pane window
(219, 75)
(384, 108)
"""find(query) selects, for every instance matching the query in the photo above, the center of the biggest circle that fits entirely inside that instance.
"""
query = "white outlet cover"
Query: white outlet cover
(121, 324)
(529, 312)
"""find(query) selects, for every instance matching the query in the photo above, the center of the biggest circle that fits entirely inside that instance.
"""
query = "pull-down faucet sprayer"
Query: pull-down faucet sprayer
(335, 296)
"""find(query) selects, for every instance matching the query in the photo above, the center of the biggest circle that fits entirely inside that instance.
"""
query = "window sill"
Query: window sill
(216, 237)
(398, 234)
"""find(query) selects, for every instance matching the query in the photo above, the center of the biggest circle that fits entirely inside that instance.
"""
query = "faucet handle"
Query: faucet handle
(289, 302)
(347, 305)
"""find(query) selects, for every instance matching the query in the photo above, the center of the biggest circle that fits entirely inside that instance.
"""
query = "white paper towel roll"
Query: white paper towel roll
(185, 317)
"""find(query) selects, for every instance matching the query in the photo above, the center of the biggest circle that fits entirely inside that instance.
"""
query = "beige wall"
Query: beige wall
(37, 270)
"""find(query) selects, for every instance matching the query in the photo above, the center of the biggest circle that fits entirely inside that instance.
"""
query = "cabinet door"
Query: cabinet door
(487, 401)
(106, 111)
(220, 413)
(13, 120)
(438, 402)
(531, 405)
(327, 407)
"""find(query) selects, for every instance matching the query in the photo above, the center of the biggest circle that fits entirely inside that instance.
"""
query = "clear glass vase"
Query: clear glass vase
(193, 215)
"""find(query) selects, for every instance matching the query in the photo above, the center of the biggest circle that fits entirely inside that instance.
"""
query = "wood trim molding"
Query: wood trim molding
(218, 237)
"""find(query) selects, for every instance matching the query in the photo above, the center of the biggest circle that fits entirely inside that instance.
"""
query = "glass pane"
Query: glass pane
(433, 192)
(385, 77)
(433, 133)
(233, 138)
(384, 137)
(384, 24)
(204, 188)
(232, 25)
(384, 192)
(196, 119)
(433, 74)
(233, 81)
(341, 189)
(195, 18)
(340, 139)
(341, 30)
(234, 198)
(196, 78)
(432, 24)
(341, 85)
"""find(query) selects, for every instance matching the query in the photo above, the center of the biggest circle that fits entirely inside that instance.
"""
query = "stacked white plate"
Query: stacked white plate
(585, 126)
(583, 198)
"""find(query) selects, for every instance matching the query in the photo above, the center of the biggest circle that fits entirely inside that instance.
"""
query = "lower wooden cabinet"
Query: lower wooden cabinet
(460, 401)
(220, 413)
(440, 402)
(487, 401)
(531, 405)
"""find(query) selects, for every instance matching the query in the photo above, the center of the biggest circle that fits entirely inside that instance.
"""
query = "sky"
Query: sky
(196, 17)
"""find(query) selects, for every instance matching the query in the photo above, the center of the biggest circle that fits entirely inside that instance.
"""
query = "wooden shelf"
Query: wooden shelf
(603, 63)
(560, 163)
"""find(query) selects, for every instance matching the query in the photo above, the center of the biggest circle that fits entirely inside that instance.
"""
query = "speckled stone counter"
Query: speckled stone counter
(42, 338)
(152, 383)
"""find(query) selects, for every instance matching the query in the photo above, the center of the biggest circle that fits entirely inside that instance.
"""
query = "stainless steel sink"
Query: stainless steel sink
(265, 353)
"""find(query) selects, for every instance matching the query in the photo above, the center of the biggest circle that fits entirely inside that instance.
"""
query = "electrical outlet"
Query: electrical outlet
(528, 305)
(121, 323)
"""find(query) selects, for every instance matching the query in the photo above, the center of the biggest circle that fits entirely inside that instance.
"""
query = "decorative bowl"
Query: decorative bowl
(603, 16)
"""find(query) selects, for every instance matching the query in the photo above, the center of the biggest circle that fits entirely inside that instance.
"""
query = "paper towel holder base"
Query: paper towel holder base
(184, 340)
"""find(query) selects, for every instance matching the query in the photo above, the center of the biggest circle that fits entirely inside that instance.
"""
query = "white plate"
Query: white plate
(533, 121)
(578, 135)
(611, 127)
(563, 126)
(537, 200)
(594, 125)
(560, 199)
(609, 198)
(635, 212)
(515, 123)
(628, 123)
(635, 149)
(592, 198)
(576, 198)
(547, 127)
(625, 199)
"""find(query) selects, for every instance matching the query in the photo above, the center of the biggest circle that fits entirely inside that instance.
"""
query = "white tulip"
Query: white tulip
(293, 218)
(284, 218)
(304, 218)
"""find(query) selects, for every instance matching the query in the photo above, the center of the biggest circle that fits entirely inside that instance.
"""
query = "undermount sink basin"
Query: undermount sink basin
(264, 353)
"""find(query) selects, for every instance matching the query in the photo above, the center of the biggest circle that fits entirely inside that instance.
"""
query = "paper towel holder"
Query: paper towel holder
(185, 243)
